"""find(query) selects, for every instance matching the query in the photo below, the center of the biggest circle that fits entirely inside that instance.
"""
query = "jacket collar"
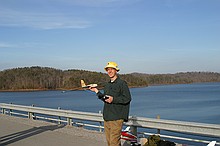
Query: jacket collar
(115, 81)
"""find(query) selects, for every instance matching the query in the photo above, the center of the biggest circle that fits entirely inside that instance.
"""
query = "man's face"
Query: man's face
(111, 72)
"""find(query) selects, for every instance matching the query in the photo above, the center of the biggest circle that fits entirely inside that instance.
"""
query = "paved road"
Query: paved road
(16, 131)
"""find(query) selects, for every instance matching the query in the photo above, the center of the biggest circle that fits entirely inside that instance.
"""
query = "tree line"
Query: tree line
(45, 78)
(179, 78)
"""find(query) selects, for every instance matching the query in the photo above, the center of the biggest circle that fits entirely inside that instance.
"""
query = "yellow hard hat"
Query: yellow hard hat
(112, 65)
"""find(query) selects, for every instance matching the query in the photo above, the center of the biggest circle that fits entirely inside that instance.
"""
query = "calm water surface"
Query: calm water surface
(188, 102)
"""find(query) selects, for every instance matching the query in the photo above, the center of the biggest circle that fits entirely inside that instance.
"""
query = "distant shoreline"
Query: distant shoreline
(59, 89)
(35, 90)
(80, 89)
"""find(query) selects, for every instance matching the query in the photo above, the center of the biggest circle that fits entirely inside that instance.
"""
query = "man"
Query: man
(116, 99)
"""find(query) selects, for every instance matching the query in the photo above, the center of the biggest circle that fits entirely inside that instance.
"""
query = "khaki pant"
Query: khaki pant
(113, 132)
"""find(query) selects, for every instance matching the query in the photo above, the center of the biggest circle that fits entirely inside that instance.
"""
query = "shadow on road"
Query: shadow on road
(11, 138)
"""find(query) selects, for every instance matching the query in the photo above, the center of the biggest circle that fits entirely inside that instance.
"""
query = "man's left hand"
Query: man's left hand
(109, 100)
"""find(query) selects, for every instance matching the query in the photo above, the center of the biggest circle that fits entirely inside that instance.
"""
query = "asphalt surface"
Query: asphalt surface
(16, 131)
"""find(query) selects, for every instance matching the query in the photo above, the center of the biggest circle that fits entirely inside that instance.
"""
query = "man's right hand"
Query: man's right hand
(94, 89)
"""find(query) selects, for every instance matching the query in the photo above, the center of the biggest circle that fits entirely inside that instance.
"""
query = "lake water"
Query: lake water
(188, 102)
(185, 102)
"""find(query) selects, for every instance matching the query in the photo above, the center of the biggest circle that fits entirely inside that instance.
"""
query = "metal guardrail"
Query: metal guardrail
(134, 122)
(69, 114)
(176, 126)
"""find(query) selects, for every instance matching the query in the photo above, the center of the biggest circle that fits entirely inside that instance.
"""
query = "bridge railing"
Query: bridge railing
(212, 130)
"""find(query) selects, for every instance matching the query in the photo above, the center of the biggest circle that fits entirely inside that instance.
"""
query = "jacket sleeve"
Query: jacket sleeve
(100, 96)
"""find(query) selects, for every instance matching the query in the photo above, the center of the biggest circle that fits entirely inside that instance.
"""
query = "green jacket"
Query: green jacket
(119, 108)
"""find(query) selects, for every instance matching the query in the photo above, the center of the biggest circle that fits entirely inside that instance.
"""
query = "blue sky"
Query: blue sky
(146, 36)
